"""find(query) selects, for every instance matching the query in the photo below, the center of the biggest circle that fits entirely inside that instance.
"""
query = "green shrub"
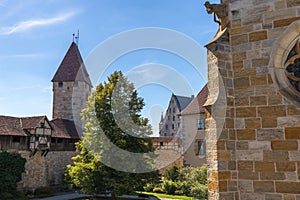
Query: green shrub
(172, 173)
(169, 187)
(158, 190)
(11, 168)
(184, 187)
(199, 191)
(148, 187)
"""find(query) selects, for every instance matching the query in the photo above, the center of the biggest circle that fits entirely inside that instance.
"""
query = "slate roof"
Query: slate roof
(17, 126)
(64, 128)
(196, 106)
(72, 67)
(182, 101)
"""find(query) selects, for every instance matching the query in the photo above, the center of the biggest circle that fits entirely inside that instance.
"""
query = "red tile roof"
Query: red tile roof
(64, 128)
(72, 67)
(15, 126)
(196, 106)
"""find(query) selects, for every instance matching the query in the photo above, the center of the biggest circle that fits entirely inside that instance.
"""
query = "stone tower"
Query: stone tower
(253, 125)
(71, 87)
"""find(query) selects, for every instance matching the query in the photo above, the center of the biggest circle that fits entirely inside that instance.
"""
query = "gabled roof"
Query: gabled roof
(196, 106)
(64, 128)
(16, 126)
(182, 101)
(72, 67)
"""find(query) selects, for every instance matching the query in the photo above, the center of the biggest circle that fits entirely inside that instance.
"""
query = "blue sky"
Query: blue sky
(35, 35)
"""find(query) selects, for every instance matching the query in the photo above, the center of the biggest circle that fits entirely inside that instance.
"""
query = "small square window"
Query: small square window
(75, 84)
(60, 84)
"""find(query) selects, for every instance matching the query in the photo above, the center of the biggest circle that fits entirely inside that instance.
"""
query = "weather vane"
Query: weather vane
(76, 38)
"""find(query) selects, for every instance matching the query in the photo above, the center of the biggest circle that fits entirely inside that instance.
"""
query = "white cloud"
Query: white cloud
(23, 56)
(26, 25)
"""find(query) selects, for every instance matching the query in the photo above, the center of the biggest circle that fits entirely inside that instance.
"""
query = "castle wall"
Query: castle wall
(45, 171)
(255, 153)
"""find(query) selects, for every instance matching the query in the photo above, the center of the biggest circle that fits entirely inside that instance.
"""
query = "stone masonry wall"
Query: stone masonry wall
(44, 171)
(255, 154)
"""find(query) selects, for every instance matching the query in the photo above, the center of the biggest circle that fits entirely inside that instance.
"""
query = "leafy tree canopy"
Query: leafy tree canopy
(115, 141)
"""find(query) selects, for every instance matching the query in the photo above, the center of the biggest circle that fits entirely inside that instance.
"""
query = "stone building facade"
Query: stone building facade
(253, 125)
(171, 123)
(193, 130)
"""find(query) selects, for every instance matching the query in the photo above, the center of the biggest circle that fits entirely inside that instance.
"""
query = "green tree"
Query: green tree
(115, 142)
(11, 167)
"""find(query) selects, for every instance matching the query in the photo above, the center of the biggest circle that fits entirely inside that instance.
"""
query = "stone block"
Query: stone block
(246, 134)
(245, 186)
(275, 111)
(272, 176)
(292, 121)
(264, 166)
(285, 166)
(245, 72)
(252, 123)
(273, 196)
(259, 62)
(269, 122)
(294, 156)
(259, 145)
(242, 145)
(292, 133)
(258, 100)
(240, 56)
(274, 99)
(259, 80)
(270, 134)
(284, 145)
(285, 22)
(246, 112)
(293, 110)
(275, 156)
(288, 187)
(239, 39)
(242, 82)
(250, 155)
(292, 3)
(264, 186)
(248, 175)
(245, 165)
(243, 101)
(257, 36)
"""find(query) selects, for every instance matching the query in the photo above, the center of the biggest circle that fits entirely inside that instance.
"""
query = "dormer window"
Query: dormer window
(60, 84)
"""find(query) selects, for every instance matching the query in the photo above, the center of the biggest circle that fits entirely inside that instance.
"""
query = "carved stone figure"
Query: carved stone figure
(220, 11)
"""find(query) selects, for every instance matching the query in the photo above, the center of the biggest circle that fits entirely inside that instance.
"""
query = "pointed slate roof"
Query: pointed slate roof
(182, 101)
(196, 106)
(72, 67)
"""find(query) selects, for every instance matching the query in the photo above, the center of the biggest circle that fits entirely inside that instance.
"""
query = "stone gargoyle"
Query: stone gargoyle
(220, 11)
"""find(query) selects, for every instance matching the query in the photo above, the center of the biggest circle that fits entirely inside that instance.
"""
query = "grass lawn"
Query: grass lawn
(168, 196)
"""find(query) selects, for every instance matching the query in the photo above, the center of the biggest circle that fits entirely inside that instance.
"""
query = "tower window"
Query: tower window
(60, 84)
(75, 84)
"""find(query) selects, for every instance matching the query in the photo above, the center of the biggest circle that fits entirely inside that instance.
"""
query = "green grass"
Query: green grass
(168, 196)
